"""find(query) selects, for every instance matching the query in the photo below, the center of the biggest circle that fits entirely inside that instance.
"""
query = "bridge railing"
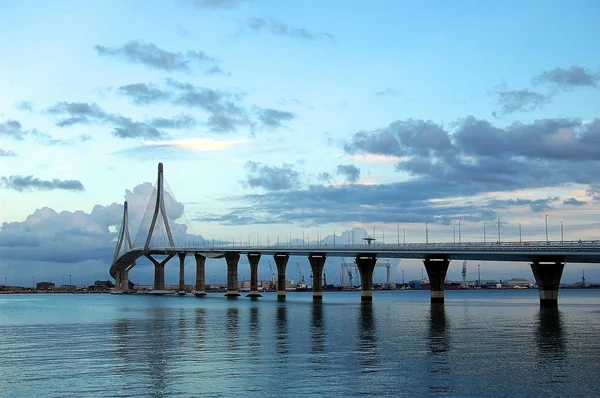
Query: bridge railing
(579, 246)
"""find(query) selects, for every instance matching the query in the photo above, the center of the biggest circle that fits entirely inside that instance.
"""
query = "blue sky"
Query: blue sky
(295, 116)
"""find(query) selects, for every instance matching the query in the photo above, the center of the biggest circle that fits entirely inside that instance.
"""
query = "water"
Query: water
(479, 344)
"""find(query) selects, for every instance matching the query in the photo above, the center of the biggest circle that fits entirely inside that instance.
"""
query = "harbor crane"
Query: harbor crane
(273, 284)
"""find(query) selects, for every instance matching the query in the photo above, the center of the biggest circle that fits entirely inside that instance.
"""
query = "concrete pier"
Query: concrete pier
(200, 288)
(253, 259)
(547, 276)
(181, 273)
(232, 260)
(281, 261)
(317, 263)
(159, 271)
(118, 281)
(366, 264)
(436, 271)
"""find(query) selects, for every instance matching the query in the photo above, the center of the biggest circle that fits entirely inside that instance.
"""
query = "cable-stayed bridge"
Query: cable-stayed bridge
(155, 238)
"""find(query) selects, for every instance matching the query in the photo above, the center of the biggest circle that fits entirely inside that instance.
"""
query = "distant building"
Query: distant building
(104, 286)
(516, 283)
(45, 286)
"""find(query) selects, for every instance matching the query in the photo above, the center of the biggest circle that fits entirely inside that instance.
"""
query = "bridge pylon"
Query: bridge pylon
(123, 245)
(159, 208)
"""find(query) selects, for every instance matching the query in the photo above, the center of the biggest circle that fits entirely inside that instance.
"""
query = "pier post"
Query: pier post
(232, 260)
(200, 289)
(436, 271)
(159, 271)
(366, 264)
(281, 261)
(125, 280)
(317, 263)
(181, 273)
(547, 276)
(253, 259)
(118, 280)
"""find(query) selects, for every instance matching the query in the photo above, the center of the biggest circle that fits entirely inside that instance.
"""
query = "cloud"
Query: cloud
(524, 100)
(143, 94)
(7, 154)
(567, 78)
(351, 172)
(273, 118)
(25, 106)
(324, 176)
(280, 29)
(151, 55)
(12, 128)
(28, 183)
(271, 178)
(388, 91)
(123, 127)
(217, 3)
(574, 202)
(225, 111)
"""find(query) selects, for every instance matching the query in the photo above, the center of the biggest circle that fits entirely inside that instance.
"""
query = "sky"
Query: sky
(295, 117)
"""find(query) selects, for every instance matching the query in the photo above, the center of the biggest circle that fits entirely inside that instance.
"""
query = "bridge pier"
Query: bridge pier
(181, 273)
(547, 276)
(436, 271)
(366, 265)
(253, 259)
(200, 289)
(118, 281)
(281, 261)
(159, 271)
(317, 263)
(125, 280)
(232, 260)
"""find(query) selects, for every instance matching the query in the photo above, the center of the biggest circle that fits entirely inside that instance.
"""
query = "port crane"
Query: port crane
(463, 283)
(300, 275)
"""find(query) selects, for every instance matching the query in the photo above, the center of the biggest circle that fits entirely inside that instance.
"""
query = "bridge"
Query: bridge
(547, 259)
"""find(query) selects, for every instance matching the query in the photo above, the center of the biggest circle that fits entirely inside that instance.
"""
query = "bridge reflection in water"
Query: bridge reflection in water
(547, 259)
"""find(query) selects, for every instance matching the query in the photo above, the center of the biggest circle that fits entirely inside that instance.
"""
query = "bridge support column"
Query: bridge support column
(181, 273)
(317, 263)
(232, 260)
(125, 280)
(118, 281)
(253, 259)
(159, 271)
(547, 276)
(366, 264)
(436, 271)
(281, 261)
(200, 289)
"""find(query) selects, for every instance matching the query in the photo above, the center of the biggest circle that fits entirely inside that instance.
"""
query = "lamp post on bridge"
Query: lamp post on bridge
(498, 229)
(561, 232)
(546, 216)
(426, 234)
(454, 234)
(519, 232)
(483, 232)
(459, 237)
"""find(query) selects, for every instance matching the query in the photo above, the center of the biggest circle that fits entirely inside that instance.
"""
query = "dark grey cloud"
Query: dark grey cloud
(151, 55)
(225, 111)
(524, 100)
(272, 178)
(142, 94)
(217, 3)
(351, 172)
(281, 29)
(476, 157)
(324, 176)
(13, 129)
(7, 154)
(176, 122)
(27, 183)
(566, 78)
(574, 202)
(72, 113)
(388, 91)
(273, 118)
(25, 106)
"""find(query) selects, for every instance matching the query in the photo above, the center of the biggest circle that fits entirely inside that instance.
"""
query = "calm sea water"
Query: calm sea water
(479, 344)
